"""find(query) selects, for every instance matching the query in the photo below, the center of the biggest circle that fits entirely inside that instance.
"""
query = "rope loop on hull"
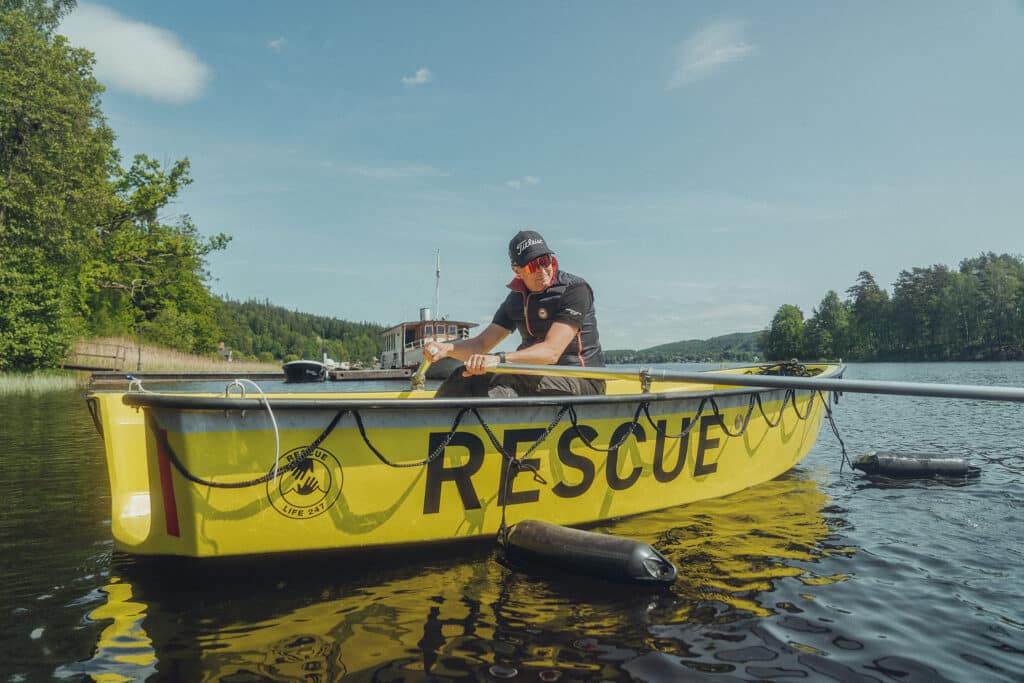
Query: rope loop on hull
(165, 446)
(518, 464)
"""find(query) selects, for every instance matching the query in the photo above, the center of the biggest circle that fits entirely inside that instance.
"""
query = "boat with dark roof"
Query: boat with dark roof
(402, 344)
(304, 371)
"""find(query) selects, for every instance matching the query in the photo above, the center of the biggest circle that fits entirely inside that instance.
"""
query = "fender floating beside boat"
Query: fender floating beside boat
(588, 552)
(914, 465)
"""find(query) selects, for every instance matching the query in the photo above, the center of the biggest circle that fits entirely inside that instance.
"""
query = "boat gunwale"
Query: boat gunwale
(278, 402)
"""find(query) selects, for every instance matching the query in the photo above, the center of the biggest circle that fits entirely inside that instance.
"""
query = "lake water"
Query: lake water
(821, 574)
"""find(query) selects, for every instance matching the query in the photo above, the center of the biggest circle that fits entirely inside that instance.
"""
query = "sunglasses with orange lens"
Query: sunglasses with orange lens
(538, 263)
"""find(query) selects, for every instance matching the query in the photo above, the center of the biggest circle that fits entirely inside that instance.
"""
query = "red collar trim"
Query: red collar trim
(517, 285)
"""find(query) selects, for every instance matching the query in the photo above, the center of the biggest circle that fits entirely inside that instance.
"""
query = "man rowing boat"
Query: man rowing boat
(554, 313)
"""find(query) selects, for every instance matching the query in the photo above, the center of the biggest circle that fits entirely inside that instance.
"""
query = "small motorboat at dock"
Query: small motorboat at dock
(304, 371)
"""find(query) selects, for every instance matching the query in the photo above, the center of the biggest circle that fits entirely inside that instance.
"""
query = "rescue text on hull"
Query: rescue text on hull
(247, 473)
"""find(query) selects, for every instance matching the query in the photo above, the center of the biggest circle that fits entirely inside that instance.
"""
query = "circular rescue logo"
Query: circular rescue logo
(542, 313)
(310, 488)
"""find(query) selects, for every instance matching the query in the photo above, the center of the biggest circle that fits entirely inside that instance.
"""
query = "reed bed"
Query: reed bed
(36, 383)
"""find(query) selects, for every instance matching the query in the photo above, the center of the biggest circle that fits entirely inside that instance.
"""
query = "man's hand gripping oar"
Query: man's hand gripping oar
(419, 379)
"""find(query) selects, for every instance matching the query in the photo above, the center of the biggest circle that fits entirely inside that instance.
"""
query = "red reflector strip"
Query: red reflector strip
(167, 487)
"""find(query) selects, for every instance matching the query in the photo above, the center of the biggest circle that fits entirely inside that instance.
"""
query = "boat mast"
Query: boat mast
(437, 285)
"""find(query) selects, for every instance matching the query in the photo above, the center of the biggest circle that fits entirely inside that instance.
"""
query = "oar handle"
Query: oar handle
(419, 380)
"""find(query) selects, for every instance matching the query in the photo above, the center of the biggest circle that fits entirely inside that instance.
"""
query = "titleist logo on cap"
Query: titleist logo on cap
(526, 244)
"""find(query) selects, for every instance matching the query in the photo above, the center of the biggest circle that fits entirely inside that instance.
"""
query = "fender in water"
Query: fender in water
(910, 465)
(588, 552)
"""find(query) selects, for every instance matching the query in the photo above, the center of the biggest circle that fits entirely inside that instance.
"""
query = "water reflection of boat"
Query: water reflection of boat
(447, 618)
(196, 474)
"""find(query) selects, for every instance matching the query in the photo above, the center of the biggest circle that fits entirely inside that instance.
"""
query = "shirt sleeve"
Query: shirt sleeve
(576, 303)
(502, 318)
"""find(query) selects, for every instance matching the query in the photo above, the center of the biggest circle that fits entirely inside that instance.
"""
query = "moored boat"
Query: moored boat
(304, 371)
(245, 473)
(402, 344)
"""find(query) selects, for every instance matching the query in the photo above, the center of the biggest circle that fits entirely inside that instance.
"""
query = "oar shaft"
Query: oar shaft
(858, 386)
(965, 391)
(563, 371)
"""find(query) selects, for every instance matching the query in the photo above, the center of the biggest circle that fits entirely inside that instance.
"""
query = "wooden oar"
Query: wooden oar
(966, 391)
(419, 380)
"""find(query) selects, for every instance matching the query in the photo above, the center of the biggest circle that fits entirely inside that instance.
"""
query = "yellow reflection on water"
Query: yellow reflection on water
(734, 548)
(124, 651)
(460, 614)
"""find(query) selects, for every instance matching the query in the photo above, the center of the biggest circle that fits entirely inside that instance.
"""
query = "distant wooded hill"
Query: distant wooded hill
(259, 329)
(738, 346)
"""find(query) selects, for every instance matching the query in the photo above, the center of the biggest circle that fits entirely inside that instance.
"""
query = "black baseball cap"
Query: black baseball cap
(526, 246)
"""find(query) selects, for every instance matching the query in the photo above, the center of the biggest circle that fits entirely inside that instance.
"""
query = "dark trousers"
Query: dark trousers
(510, 386)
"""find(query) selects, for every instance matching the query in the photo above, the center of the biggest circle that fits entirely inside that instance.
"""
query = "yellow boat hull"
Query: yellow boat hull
(206, 476)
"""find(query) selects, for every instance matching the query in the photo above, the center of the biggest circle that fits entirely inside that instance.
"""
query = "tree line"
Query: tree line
(739, 347)
(267, 332)
(933, 314)
(89, 246)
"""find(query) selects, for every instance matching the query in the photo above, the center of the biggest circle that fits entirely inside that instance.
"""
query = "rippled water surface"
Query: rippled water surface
(820, 575)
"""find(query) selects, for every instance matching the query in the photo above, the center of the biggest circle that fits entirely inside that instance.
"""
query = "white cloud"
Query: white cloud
(708, 50)
(277, 44)
(421, 77)
(525, 181)
(394, 172)
(136, 57)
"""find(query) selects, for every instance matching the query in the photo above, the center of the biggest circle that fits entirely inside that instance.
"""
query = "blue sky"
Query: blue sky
(700, 164)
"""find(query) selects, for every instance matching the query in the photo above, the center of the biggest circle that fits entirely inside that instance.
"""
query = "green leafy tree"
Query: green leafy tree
(144, 265)
(966, 315)
(999, 290)
(827, 334)
(785, 339)
(56, 157)
(82, 244)
(870, 318)
(43, 15)
(923, 321)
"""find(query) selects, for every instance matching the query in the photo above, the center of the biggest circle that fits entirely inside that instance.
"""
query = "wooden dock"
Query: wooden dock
(96, 356)
(336, 375)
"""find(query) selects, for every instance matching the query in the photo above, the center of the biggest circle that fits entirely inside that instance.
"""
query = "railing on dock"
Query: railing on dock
(96, 356)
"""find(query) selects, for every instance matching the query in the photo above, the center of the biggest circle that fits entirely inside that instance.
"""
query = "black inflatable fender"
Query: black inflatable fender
(909, 465)
(588, 552)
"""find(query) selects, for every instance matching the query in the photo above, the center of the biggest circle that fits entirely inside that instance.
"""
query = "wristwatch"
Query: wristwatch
(501, 357)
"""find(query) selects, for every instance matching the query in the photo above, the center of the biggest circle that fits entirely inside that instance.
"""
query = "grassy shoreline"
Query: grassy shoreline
(122, 355)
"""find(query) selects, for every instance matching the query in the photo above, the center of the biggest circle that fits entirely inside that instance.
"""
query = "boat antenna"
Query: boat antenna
(437, 285)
